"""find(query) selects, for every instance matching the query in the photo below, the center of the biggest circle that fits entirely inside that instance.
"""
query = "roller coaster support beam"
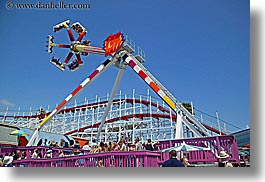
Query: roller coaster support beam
(188, 119)
(114, 89)
(34, 139)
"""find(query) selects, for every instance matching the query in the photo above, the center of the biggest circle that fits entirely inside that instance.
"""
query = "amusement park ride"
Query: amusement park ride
(120, 52)
(77, 47)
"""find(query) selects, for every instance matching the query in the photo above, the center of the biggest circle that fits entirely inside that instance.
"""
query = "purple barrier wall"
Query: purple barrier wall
(217, 143)
(42, 149)
(6, 150)
(133, 159)
(109, 159)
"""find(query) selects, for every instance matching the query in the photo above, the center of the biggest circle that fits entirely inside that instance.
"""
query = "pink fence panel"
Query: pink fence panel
(109, 159)
(218, 143)
(130, 159)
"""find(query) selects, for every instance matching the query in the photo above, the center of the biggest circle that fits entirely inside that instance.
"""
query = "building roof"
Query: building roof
(242, 137)
(50, 136)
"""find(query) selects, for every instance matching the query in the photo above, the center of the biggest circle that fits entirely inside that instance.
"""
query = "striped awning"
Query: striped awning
(185, 148)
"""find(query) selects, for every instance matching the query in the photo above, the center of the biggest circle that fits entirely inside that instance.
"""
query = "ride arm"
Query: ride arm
(85, 83)
(162, 92)
(114, 89)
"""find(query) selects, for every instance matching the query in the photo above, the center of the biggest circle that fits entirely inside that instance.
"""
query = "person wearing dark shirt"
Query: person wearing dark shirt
(149, 145)
(40, 142)
(76, 145)
(173, 161)
(15, 155)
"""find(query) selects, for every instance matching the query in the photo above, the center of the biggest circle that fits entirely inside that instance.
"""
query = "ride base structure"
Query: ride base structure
(121, 52)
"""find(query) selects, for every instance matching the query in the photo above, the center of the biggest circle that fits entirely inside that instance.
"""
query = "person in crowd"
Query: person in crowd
(86, 146)
(60, 153)
(122, 145)
(1, 158)
(223, 162)
(66, 145)
(45, 143)
(62, 143)
(40, 142)
(57, 145)
(116, 147)
(23, 155)
(8, 161)
(19, 143)
(71, 144)
(138, 144)
(106, 147)
(39, 155)
(149, 145)
(35, 154)
(76, 145)
(94, 142)
(235, 164)
(130, 147)
(48, 153)
(52, 144)
(185, 161)
(16, 155)
(101, 147)
(94, 149)
(81, 152)
(173, 161)
(72, 153)
(110, 146)
(67, 153)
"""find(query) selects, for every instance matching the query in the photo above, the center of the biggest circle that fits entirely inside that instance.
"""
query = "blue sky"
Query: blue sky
(199, 50)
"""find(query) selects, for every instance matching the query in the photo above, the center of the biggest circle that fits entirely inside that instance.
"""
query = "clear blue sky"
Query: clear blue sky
(198, 49)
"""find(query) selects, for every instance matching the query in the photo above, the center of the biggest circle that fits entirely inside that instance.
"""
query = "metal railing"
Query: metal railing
(108, 159)
(131, 158)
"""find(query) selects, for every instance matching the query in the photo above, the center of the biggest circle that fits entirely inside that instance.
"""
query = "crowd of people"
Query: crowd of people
(95, 147)
(72, 148)
(65, 149)
(61, 144)
(122, 145)
(7, 159)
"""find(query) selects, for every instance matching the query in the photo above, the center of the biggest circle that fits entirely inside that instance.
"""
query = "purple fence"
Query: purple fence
(130, 159)
(216, 144)
(6, 149)
(42, 150)
(109, 159)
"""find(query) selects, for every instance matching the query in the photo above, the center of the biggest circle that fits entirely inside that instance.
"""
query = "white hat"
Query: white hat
(223, 154)
(8, 160)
